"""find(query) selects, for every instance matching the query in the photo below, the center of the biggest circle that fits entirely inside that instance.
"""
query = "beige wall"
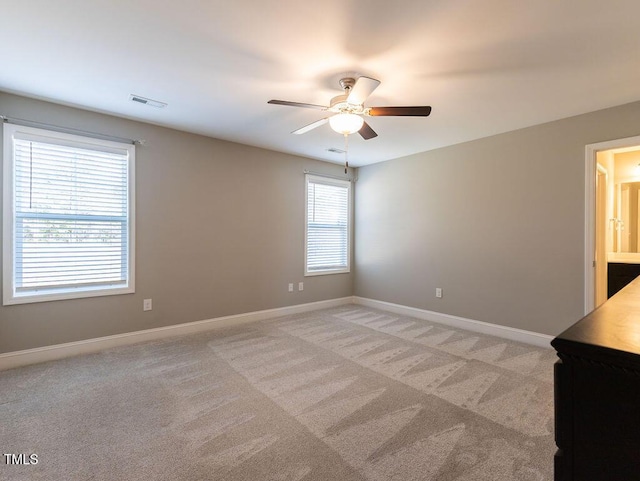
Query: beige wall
(219, 231)
(626, 164)
(497, 223)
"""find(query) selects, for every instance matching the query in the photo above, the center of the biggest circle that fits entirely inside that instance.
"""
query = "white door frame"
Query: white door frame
(600, 284)
(591, 152)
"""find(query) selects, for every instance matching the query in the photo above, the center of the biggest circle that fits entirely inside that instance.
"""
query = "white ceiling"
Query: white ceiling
(484, 66)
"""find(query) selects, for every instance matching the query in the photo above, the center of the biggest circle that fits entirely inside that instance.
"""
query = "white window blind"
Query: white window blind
(327, 225)
(70, 210)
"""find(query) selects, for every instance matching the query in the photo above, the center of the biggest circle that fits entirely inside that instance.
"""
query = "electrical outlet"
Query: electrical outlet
(146, 305)
(291, 287)
(438, 292)
(301, 286)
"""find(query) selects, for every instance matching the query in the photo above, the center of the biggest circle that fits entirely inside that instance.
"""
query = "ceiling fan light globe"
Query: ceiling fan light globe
(345, 123)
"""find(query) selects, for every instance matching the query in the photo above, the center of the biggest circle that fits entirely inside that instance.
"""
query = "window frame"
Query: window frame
(320, 179)
(10, 294)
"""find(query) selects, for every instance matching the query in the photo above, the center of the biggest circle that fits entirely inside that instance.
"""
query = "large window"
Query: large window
(327, 225)
(68, 216)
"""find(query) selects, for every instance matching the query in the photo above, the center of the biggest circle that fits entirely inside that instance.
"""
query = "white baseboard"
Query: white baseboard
(11, 360)
(511, 333)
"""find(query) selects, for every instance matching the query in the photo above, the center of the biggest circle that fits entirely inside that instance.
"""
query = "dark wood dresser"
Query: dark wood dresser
(597, 393)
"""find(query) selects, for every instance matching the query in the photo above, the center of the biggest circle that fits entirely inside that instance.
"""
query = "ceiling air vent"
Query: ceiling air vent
(333, 150)
(145, 101)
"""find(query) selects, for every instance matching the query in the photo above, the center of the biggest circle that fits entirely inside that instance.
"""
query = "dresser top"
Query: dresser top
(611, 332)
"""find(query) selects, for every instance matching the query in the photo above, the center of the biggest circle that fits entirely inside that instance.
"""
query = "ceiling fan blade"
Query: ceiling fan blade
(297, 104)
(311, 126)
(399, 111)
(363, 87)
(366, 132)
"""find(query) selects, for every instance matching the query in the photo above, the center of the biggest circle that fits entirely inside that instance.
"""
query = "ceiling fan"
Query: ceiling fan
(348, 109)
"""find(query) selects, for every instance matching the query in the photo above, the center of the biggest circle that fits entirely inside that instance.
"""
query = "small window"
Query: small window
(328, 213)
(68, 216)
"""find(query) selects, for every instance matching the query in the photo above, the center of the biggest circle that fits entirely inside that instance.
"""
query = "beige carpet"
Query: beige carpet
(349, 394)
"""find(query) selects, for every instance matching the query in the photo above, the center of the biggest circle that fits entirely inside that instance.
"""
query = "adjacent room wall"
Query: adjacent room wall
(497, 223)
(219, 231)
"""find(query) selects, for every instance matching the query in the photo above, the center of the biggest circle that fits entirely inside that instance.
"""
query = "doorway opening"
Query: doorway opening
(612, 218)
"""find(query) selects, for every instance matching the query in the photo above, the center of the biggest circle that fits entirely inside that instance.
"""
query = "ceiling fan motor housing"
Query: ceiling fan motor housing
(339, 103)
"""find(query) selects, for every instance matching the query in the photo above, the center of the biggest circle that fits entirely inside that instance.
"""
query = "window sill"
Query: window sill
(327, 272)
(59, 295)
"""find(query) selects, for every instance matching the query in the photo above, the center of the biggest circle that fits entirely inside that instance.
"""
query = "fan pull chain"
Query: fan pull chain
(346, 153)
